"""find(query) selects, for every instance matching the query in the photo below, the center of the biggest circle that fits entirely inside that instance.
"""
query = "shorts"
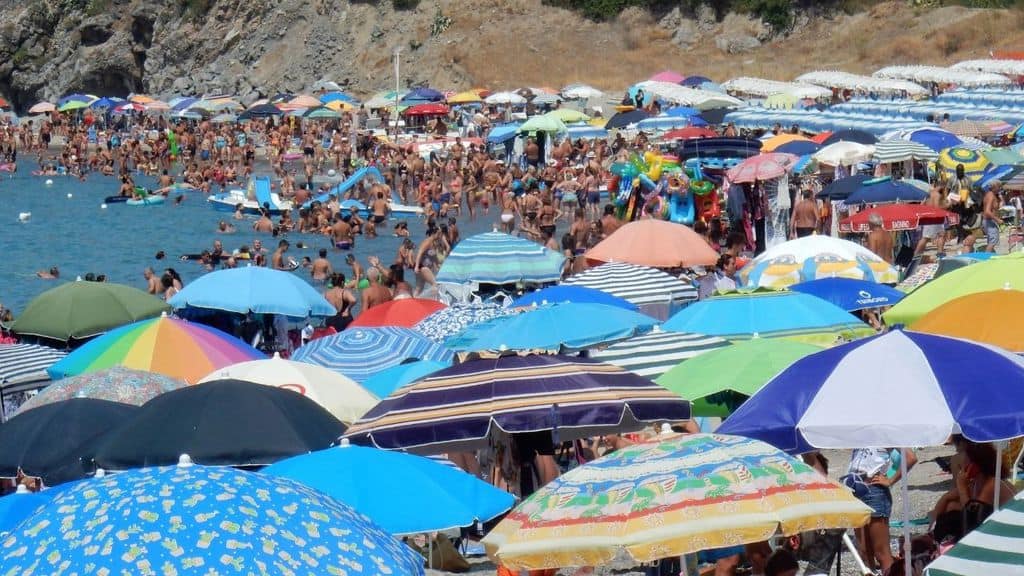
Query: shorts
(343, 245)
(569, 198)
(204, 155)
(878, 498)
(803, 232)
(991, 229)
(377, 218)
(307, 151)
(339, 321)
(930, 231)
(593, 197)
(548, 230)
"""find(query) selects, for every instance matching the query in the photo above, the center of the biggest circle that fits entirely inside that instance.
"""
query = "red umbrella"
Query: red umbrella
(689, 133)
(898, 217)
(429, 109)
(821, 137)
(405, 313)
(761, 167)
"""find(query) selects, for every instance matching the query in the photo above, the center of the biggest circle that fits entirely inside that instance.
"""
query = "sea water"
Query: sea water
(79, 236)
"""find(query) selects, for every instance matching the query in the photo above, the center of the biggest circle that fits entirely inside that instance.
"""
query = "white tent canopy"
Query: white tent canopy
(941, 75)
(1009, 67)
(762, 87)
(848, 81)
(701, 99)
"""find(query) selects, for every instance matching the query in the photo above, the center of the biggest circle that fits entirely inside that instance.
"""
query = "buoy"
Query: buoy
(103, 206)
(331, 173)
(24, 216)
(69, 194)
(49, 182)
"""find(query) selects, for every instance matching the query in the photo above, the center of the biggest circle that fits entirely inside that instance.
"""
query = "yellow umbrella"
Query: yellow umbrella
(781, 100)
(774, 142)
(465, 97)
(339, 106)
(992, 317)
(140, 99)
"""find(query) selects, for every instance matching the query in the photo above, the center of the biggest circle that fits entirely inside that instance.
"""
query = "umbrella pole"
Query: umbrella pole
(430, 552)
(999, 476)
(906, 515)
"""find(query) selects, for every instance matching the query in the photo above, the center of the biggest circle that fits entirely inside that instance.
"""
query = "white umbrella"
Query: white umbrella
(42, 108)
(505, 98)
(339, 394)
(844, 153)
(581, 92)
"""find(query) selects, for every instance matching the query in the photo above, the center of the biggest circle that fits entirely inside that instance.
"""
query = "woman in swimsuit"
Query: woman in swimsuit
(428, 259)
(509, 207)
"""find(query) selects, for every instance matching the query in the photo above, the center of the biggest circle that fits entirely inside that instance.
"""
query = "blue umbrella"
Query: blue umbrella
(361, 353)
(695, 81)
(743, 316)
(457, 317)
(16, 507)
(180, 104)
(498, 258)
(106, 102)
(886, 192)
(254, 289)
(850, 294)
(682, 111)
(403, 493)
(570, 325)
(383, 383)
(190, 519)
(568, 293)
(502, 133)
(900, 389)
(935, 138)
(842, 188)
(799, 148)
(334, 96)
(420, 95)
(75, 98)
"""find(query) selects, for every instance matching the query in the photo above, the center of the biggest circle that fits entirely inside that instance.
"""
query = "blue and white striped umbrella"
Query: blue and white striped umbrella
(449, 321)
(23, 366)
(498, 258)
(651, 355)
(858, 394)
(362, 352)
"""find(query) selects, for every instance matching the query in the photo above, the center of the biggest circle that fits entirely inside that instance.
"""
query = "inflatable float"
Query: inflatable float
(149, 200)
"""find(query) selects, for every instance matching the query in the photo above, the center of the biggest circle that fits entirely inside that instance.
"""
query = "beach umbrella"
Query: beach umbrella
(672, 496)
(678, 246)
(886, 191)
(987, 317)
(667, 76)
(376, 483)
(973, 161)
(72, 105)
(468, 97)
(304, 101)
(969, 128)
(42, 108)
(128, 108)
(898, 218)
(655, 293)
(682, 112)
(339, 106)
(843, 153)
(581, 92)
(761, 167)
(322, 112)
(992, 549)
(689, 133)
(507, 98)
(189, 519)
(567, 293)
(56, 442)
(553, 327)
(116, 384)
(842, 188)
(169, 346)
(220, 423)
(87, 98)
(771, 144)
(422, 95)
(384, 99)
(81, 310)
(427, 109)
(1002, 157)
(715, 116)
(337, 393)
(254, 289)
(260, 111)
(337, 95)
(20, 505)
(768, 314)
(719, 381)
(224, 118)
(406, 312)
(995, 274)
(499, 258)
(23, 366)
(624, 119)
(651, 355)
(542, 123)
(856, 136)
(455, 318)
(822, 400)
(813, 257)
(383, 383)
(459, 408)
(934, 138)
(799, 148)
(696, 81)
(568, 115)
(104, 103)
(849, 294)
(897, 150)
(363, 352)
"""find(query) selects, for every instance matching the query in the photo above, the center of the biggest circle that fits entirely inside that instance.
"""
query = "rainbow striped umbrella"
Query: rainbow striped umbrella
(670, 497)
(164, 345)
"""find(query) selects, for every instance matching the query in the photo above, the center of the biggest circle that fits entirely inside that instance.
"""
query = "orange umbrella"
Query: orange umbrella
(774, 142)
(406, 312)
(992, 317)
(654, 243)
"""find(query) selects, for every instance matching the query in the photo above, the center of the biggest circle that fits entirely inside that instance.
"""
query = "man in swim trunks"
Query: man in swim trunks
(341, 233)
(321, 268)
(277, 260)
(805, 216)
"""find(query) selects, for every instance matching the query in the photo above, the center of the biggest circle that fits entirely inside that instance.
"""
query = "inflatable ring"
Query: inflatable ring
(701, 187)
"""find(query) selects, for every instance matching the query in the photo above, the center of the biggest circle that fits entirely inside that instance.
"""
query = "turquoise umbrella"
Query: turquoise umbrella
(498, 258)
(383, 383)
(543, 123)
(322, 113)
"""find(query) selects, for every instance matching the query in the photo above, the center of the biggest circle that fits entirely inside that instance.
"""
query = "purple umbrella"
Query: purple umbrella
(454, 409)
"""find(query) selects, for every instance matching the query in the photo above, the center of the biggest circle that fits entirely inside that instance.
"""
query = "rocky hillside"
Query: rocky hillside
(260, 47)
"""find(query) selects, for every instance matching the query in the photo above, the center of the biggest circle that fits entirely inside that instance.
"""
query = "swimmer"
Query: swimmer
(224, 228)
(238, 215)
(51, 274)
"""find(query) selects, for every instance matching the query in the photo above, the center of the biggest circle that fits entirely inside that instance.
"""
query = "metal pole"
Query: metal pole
(999, 475)
(398, 85)
(906, 515)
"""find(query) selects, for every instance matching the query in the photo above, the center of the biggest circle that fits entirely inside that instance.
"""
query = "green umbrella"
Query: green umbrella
(1003, 157)
(322, 112)
(568, 115)
(80, 310)
(715, 381)
(543, 123)
(73, 105)
(994, 274)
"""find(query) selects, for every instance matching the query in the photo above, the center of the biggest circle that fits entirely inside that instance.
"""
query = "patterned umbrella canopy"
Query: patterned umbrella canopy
(813, 257)
(656, 293)
(448, 322)
(169, 346)
(651, 355)
(498, 258)
(993, 549)
(670, 497)
(761, 167)
(455, 409)
(190, 519)
(898, 150)
(969, 128)
(362, 352)
(117, 384)
(23, 366)
(974, 161)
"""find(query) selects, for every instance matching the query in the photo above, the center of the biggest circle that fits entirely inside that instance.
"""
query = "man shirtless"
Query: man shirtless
(341, 233)
(376, 293)
(879, 241)
(277, 259)
(805, 216)
(321, 268)
(933, 232)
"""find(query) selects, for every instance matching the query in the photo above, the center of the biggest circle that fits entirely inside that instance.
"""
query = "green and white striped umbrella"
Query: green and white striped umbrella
(900, 150)
(996, 548)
